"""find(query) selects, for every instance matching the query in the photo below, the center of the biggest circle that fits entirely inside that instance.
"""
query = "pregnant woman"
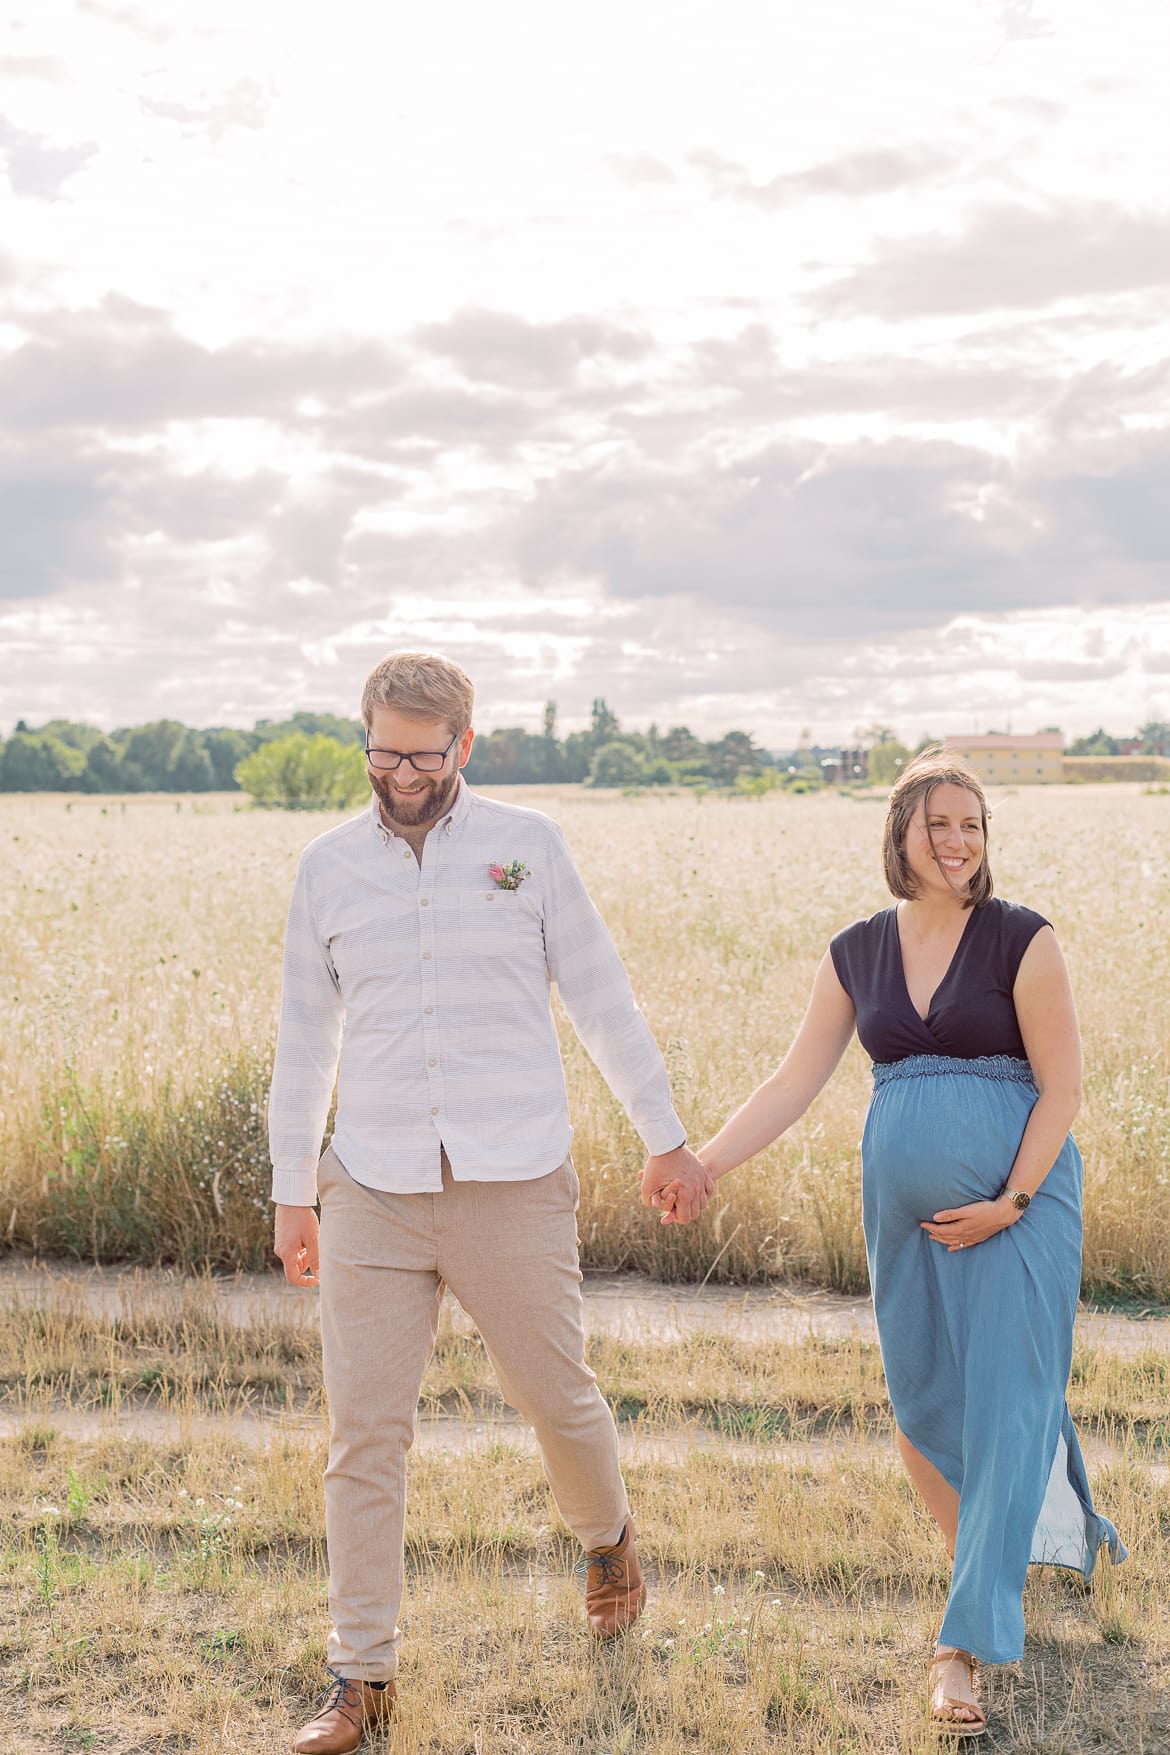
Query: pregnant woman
(971, 1202)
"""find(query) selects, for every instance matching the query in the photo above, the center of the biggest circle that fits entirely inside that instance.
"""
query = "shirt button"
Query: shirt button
(428, 1009)
(426, 956)
(432, 1063)
(423, 903)
(406, 855)
(491, 895)
(434, 1111)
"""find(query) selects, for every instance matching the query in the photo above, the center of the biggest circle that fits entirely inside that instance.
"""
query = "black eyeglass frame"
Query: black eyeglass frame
(439, 756)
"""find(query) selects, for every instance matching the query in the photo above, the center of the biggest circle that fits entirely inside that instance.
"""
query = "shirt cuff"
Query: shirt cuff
(294, 1188)
(664, 1134)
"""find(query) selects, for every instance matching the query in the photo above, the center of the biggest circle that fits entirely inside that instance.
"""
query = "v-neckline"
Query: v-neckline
(924, 1017)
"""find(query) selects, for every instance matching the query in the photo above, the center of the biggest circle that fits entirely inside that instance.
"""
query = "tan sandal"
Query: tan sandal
(945, 1710)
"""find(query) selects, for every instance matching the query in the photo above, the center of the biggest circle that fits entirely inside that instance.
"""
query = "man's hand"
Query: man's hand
(296, 1244)
(678, 1183)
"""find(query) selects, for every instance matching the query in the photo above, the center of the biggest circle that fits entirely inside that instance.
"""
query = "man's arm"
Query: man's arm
(593, 984)
(307, 1046)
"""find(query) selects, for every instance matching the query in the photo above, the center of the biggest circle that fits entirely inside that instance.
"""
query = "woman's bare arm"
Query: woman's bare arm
(772, 1108)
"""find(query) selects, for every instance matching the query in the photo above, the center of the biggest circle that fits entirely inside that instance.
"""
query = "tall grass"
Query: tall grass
(170, 1592)
(141, 979)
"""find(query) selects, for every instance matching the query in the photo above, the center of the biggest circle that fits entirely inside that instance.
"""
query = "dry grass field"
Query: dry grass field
(140, 981)
(165, 1594)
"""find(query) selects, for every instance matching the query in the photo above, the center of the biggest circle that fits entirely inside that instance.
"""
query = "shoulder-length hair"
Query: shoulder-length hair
(934, 767)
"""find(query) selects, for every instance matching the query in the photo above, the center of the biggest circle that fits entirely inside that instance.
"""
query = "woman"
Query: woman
(971, 1204)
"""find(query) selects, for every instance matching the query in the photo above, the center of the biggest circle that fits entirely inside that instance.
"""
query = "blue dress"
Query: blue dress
(976, 1343)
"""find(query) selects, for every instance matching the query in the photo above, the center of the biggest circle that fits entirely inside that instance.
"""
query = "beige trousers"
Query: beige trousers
(508, 1250)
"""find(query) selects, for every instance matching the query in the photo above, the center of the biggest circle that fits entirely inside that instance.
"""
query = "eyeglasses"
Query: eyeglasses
(422, 761)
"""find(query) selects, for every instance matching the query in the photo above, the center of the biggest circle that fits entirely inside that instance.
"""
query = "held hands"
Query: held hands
(296, 1244)
(960, 1227)
(677, 1182)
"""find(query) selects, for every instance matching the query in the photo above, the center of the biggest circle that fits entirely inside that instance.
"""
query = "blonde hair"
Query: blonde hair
(934, 767)
(420, 685)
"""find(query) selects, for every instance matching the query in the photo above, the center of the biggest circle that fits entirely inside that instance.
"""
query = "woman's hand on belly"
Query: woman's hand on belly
(962, 1227)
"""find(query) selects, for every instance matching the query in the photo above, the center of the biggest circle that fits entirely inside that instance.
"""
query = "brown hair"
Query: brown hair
(420, 685)
(934, 767)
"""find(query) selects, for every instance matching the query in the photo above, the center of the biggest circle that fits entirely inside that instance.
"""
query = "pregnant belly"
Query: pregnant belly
(935, 1142)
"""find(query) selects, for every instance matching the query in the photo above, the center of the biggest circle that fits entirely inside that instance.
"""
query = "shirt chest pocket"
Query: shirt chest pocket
(499, 923)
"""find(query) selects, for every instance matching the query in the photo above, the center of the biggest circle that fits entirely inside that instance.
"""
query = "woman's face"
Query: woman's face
(944, 849)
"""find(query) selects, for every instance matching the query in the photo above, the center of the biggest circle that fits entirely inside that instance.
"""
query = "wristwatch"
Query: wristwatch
(1018, 1198)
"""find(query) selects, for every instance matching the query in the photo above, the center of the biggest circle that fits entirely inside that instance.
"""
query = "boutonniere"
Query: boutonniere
(510, 876)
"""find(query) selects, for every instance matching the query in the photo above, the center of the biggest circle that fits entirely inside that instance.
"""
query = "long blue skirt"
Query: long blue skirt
(977, 1344)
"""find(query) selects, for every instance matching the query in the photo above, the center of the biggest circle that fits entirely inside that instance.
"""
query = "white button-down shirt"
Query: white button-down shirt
(432, 985)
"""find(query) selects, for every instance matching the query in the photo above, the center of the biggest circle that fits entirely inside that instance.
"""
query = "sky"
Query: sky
(800, 369)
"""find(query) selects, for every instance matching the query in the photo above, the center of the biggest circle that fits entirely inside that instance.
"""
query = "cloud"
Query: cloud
(849, 541)
(36, 167)
(641, 169)
(44, 67)
(1009, 257)
(55, 522)
(141, 21)
(499, 347)
(872, 171)
(124, 366)
(243, 105)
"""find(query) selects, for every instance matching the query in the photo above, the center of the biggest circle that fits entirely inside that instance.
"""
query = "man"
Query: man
(423, 937)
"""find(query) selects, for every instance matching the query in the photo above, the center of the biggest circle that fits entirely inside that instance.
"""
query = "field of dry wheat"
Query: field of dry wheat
(140, 956)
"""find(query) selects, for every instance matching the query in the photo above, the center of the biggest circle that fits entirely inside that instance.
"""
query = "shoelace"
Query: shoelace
(612, 1569)
(335, 1694)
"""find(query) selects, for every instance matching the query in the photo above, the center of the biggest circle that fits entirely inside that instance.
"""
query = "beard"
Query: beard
(427, 805)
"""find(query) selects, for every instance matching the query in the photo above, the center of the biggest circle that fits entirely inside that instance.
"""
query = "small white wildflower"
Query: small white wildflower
(183, 1493)
(50, 1511)
(759, 1575)
(718, 1591)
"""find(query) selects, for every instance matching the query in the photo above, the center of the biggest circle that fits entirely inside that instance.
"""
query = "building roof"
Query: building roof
(1005, 740)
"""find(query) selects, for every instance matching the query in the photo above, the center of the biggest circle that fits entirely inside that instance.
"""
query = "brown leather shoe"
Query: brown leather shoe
(346, 1711)
(614, 1588)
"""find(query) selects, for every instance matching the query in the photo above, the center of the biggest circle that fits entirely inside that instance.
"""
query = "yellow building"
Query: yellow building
(1000, 759)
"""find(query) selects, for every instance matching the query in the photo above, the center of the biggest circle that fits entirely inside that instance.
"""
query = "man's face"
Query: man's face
(410, 799)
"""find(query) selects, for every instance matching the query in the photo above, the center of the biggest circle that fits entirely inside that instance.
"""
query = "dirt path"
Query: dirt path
(623, 1305)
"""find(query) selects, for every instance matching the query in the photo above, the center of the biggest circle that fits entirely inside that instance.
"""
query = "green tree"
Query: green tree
(73, 733)
(1155, 738)
(604, 726)
(147, 754)
(299, 772)
(226, 748)
(190, 768)
(731, 755)
(313, 725)
(102, 771)
(1098, 743)
(32, 762)
(885, 762)
(617, 764)
(681, 745)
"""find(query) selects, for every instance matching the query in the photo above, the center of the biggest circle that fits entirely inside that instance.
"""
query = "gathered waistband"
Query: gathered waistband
(983, 1066)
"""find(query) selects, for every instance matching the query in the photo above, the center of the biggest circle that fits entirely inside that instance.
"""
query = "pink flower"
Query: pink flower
(495, 872)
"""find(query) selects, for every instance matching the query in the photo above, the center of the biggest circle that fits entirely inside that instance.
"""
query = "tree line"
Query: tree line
(167, 756)
(278, 755)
